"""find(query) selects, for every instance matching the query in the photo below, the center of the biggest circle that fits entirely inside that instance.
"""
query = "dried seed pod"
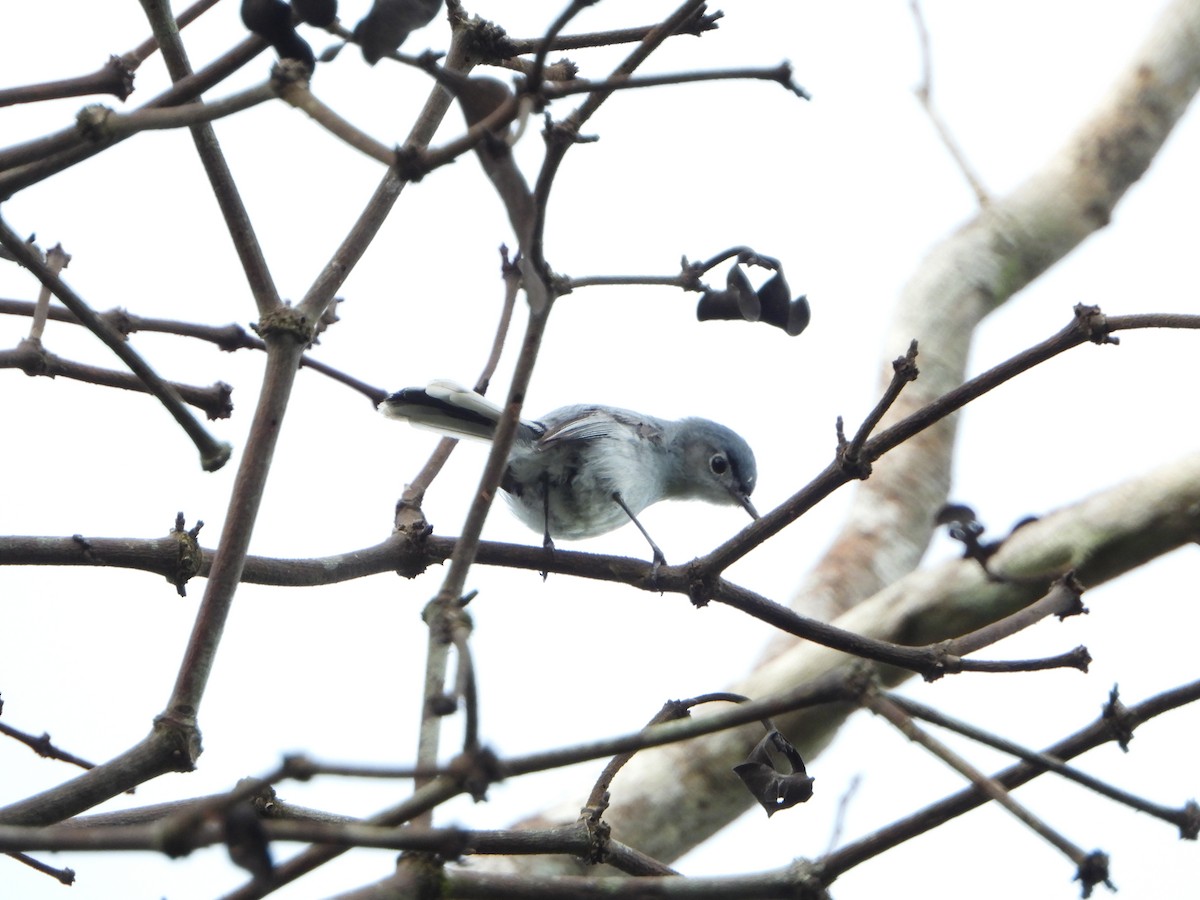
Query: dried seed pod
(316, 12)
(388, 24)
(771, 787)
(738, 286)
(779, 309)
(272, 21)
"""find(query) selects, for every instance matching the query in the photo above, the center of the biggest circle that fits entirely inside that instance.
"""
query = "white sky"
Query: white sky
(849, 191)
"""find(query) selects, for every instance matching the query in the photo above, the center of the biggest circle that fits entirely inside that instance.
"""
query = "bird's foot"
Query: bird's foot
(548, 546)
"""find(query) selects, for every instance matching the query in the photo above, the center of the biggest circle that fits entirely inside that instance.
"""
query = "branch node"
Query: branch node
(1093, 871)
(95, 123)
(477, 771)
(905, 367)
(119, 70)
(1189, 825)
(599, 832)
(1119, 720)
(299, 767)
(410, 163)
(190, 556)
(285, 319)
(699, 586)
(1094, 324)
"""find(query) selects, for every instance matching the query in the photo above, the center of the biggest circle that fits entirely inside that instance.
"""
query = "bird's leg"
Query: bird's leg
(547, 541)
(659, 559)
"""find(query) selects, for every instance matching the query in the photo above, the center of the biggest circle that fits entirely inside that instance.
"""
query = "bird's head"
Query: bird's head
(716, 464)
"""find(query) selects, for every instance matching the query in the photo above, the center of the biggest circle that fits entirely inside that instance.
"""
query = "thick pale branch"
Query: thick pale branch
(975, 270)
(1099, 538)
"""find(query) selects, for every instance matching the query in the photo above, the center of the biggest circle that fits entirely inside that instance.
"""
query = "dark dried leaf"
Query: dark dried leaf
(716, 305)
(272, 21)
(316, 12)
(798, 317)
(267, 18)
(775, 790)
(775, 299)
(771, 303)
(779, 309)
(247, 842)
(738, 286)
(295, 47)
(389, 23)
(480, 97)
(959, 517)
(965, 528)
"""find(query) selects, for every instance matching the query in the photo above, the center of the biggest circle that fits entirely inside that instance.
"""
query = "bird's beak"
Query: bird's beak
(746, 504)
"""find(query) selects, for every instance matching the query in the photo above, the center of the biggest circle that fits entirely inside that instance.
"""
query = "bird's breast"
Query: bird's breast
(575, 483)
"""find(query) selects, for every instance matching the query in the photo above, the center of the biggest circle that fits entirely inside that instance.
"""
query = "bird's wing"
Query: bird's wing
(589, 423)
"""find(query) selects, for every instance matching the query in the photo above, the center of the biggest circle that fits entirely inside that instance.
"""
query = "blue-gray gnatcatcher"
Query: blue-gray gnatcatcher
(581, 471)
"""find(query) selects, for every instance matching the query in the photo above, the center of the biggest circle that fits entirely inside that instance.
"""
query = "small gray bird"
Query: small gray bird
(581, 471)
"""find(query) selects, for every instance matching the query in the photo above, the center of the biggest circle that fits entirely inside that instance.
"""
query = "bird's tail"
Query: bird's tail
(446, 407)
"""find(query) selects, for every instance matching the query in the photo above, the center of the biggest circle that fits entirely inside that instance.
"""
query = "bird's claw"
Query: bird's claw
(657, 563)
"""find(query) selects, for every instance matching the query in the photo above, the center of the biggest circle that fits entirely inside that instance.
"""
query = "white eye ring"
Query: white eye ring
(718, 464)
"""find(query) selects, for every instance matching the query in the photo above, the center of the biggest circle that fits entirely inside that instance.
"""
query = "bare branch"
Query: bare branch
(33, 359)
(213, 454)
(237, 219)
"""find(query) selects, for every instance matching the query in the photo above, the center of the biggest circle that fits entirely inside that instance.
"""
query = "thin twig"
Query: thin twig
(65, 876)
(114, 77)
(43, 746)
(1088, 325)
(678, 281)
(780, 74)
(1184, 818)
(1099, 732)
(98, 126)
(291, 79)
(104, 125)
(924, 92)
(367, 226)
(71, 148)
(57, 259)
(699, 23)
(1079, 658)
(425, 798)
(445, 605)
(991, 788)
(220, 178)
(1062, 600)
(408, 507)
(561, 136)
(229, 338)
(213, 454)
(904, 371)
(33, 359)
(547, 41)
(284, 346)
(142, 51)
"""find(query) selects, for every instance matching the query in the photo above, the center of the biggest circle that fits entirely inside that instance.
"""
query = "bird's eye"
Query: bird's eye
(718, 464)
